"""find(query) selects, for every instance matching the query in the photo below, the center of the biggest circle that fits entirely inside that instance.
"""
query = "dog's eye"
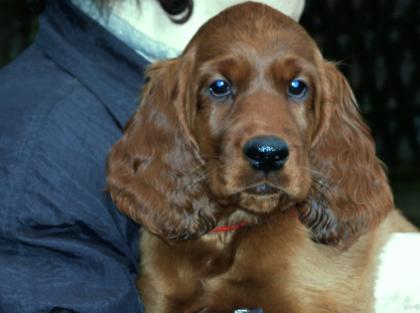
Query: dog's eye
(297, 89)
(220, 89)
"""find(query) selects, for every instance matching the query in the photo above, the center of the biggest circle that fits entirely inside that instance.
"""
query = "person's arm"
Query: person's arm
(64, 247)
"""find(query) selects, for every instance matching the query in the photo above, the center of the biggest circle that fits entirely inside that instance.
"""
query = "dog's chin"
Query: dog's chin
(263, 199)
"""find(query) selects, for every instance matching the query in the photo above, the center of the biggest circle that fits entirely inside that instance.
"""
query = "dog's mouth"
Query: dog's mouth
(263, 198)
(262, 189)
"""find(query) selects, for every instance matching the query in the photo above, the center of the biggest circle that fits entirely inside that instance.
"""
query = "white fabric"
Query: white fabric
(146, 28)
(398, 283)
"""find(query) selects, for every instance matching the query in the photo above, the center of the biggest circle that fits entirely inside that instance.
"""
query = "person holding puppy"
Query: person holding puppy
(63, 103)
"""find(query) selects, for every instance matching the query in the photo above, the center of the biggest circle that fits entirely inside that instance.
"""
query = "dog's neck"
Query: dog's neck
(238, 221)
(218, 250)
(228, 227)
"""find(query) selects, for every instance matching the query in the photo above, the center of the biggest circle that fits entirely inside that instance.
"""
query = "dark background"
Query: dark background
(378, 45)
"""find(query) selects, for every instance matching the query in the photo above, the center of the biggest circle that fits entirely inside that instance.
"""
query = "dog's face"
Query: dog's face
(254, 122)
(249, 118)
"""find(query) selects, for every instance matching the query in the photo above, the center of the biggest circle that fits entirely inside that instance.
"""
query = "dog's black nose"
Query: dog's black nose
(266, 153)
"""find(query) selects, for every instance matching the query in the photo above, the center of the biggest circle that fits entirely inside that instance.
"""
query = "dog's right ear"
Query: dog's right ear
(155, 171)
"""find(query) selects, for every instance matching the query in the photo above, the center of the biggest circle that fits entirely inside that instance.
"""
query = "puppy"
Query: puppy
(254, 176)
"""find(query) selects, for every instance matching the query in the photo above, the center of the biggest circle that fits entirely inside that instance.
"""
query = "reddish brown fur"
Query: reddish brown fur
(179, 170)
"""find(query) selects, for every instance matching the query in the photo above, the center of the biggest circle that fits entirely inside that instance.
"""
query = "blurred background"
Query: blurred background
(378, 45)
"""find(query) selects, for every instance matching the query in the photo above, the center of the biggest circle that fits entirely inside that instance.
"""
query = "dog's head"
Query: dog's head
(252, 118)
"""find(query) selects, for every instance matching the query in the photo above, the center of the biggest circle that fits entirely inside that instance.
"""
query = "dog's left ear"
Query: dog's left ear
(350, 193)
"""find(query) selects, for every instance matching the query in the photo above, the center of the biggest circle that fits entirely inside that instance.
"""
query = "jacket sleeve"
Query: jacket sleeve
(64, 247)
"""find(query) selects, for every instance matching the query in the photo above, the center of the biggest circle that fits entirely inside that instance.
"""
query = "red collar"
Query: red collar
(227, 228)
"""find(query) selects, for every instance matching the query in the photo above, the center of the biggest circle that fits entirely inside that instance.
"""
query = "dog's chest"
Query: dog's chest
(219, 273)
(237, 276)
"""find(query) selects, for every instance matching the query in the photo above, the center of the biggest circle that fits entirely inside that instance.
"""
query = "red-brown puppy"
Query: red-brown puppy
(253, 175)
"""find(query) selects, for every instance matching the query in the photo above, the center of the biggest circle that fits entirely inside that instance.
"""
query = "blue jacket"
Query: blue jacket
(64, 247)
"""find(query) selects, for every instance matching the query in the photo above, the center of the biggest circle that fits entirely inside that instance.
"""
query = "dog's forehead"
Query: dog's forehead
(252, 27)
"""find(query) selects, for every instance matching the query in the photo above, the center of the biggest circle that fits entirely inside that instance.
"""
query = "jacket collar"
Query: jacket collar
(101, 62)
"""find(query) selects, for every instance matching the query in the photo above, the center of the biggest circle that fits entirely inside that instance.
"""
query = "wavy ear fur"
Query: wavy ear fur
(350, 192)
(154, 170)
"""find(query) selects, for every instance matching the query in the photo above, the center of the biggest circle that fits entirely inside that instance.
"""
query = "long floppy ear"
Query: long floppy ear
(155, 173)
(350, 193)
